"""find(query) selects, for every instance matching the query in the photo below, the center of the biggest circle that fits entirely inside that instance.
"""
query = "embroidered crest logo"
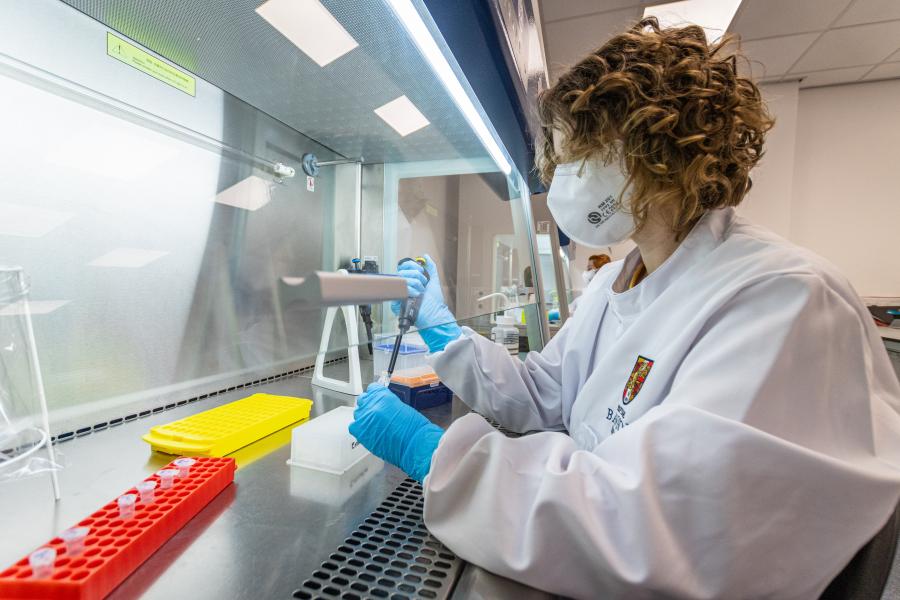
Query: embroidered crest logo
(637, 378)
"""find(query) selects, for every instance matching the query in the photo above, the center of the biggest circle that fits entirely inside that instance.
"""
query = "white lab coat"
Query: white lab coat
(760, 454)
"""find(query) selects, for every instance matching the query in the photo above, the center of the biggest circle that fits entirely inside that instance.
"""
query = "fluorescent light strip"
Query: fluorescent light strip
(127, 258)
(427, 45)
(714, 16)
(402, 115)
(310, 27)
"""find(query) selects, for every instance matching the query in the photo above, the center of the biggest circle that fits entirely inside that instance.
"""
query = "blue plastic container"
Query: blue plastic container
(427, 396)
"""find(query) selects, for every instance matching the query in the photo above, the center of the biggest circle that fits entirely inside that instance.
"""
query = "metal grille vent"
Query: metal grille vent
(499, 427)
(390, 555)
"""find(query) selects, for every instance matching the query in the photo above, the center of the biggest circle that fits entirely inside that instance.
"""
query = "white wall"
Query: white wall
(582, 253)
(770, 198)
(830, 180)
(847, 181)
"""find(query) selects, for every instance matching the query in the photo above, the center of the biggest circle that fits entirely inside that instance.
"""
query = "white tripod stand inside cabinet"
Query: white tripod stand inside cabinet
(351, 318)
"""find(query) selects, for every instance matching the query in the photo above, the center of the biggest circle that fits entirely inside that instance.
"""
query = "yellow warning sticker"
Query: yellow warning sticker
(141, 60)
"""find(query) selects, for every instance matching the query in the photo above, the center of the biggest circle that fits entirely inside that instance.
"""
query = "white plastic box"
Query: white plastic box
(410, 356)
(331, 489)
(325, 444)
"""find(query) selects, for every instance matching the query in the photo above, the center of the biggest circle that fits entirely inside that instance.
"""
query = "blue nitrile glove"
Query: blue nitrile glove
(394, 431)
(436, 324)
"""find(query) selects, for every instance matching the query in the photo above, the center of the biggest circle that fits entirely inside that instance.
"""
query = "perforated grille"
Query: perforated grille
(390, 555)
(499, 427)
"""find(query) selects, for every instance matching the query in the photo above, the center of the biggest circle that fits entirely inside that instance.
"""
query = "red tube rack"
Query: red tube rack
(115, 548)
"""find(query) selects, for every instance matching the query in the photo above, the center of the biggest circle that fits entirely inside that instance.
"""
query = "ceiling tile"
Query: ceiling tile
(870, 11)
(769, 18)
(885, 71)
(567, 42)
(774, 56)
(554, 10)
(831, 77)
(851, 47)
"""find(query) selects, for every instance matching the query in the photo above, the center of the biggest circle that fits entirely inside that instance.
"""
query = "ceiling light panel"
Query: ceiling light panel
(127, 258)
(402, 115)
(714, 16)
(310, 27)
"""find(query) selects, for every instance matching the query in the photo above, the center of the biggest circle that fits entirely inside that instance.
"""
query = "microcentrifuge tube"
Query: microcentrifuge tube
(147, 491)
(74, 539)
(126, 506)
(184, 466)
(41, 562)
(166, 478)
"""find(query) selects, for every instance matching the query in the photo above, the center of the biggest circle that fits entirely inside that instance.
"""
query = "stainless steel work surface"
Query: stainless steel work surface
(260, 538)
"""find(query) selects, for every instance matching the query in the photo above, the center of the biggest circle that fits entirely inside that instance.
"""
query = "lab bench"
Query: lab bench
(260, 538)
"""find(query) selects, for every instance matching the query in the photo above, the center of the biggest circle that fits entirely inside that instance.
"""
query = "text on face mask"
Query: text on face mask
(606, 209)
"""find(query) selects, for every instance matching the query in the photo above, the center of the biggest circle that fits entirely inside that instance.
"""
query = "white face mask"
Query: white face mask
(588, 275)
(584, 200)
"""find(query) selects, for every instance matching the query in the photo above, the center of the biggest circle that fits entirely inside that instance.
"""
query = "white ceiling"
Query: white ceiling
(819, 42)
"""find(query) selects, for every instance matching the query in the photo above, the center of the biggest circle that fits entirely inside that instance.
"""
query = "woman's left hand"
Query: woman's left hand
(394, 431)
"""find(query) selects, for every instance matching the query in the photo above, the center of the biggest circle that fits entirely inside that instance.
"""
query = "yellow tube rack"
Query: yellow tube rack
(224, 429)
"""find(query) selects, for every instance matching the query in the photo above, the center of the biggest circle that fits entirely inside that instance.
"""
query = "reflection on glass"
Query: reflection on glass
(158, 241)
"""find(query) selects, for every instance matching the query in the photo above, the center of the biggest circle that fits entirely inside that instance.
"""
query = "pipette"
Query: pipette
(409, 311)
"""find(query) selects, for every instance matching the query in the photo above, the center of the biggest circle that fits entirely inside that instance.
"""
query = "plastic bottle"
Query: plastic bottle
(506, 333)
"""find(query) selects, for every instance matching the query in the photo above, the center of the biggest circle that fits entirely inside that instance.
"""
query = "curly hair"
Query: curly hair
(687, 128)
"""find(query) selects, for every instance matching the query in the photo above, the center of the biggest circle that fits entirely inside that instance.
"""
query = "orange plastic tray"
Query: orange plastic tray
(416, 380)
(115, 548)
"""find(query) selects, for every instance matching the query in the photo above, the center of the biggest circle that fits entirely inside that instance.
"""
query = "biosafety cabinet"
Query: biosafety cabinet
(168, 167)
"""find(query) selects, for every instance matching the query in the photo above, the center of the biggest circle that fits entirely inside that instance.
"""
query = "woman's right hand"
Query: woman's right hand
(436, 324)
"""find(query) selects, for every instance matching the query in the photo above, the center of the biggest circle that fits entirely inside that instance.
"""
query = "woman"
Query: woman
(595, 262)
(718, 419)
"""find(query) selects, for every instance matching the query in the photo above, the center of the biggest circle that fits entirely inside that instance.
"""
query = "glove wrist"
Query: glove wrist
(438, 336)
(416, 459)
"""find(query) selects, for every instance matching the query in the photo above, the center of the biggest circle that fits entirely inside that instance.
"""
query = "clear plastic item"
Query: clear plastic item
(166, 478)
(41, 562)
(24, 421)
(325, 444)
(147, 490)
(74, 539)
(410, 356)
(506, 333)
(126, 506)
(331, 489)
(184, 466)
